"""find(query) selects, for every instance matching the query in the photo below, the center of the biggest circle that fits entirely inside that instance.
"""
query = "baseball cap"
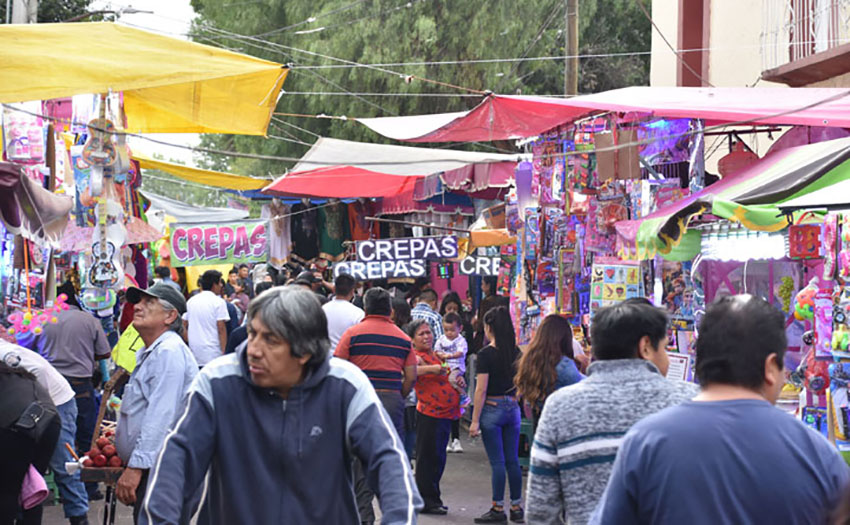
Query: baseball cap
(306, 277)
(161, 291)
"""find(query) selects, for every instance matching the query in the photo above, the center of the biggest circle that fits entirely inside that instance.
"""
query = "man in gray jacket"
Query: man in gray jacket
(271, 431)
(582, 425)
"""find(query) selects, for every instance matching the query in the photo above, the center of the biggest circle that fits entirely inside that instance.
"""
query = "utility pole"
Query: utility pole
(571, 48)
(24, 11)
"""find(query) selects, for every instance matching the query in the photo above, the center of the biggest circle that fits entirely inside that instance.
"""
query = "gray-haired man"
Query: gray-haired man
(157, 388)
(277, 425)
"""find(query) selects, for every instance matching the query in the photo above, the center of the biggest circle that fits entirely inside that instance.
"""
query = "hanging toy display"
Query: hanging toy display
(105, 273)
(844, 248)
(804, 302)
(33, 321)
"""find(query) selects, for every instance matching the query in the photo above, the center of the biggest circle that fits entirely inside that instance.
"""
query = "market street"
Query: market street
(465, 486)
(607, 241)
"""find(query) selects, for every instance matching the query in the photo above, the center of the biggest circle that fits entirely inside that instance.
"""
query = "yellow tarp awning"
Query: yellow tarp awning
(169, 85)
(201, 176)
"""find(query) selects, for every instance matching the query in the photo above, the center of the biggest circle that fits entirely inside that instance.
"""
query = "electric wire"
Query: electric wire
(311, 19)
(406, 78)
(615, 147)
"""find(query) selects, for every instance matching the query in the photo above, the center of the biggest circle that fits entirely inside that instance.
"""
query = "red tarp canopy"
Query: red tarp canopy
(346, 170)
(342, 182)
(509, 117)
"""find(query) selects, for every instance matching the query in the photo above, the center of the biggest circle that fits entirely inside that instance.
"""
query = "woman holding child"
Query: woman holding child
(437, 405)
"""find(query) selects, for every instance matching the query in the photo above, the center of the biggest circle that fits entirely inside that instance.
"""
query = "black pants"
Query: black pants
(141, 490)
(18, 453)
(394, 405)
(432, 436)
(456, 429)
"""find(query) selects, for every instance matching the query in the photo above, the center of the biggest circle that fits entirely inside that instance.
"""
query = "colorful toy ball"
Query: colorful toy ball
(804, 302)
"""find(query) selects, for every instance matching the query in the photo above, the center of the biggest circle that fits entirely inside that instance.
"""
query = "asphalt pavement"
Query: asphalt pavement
(465, 487)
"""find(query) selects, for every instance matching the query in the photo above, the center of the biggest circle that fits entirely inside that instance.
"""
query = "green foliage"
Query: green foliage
(53, 10)
(389, 31)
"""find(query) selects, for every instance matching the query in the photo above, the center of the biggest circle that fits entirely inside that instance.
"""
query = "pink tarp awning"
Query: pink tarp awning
(484, 181)
(508, 117)
(341, 182)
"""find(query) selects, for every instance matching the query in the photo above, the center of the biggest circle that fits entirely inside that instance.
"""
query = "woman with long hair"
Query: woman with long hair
(437, 405)
(488, 302)
(401, 312)
(496, 414)
(547, 365)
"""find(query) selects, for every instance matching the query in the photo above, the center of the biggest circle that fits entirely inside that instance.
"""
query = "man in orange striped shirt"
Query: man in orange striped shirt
(379, 348)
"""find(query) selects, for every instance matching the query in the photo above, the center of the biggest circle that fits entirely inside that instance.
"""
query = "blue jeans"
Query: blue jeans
(500, 433)
(71, 489)
(87, 407)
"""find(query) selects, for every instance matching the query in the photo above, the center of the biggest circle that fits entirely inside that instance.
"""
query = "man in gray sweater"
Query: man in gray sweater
(582, 425)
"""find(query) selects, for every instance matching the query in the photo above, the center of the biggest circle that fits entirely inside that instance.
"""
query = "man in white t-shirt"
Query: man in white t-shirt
(340, 312)
(206, 319)
(72, 490)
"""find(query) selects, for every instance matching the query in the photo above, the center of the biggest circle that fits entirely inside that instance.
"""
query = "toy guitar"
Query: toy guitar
(99, 152)
(105, 271)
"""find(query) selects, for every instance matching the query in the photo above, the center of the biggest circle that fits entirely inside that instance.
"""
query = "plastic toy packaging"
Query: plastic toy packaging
(23, 134)
(804, 302)
(843, 261)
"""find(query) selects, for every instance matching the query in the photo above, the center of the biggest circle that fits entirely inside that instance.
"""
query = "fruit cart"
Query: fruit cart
(101, 463)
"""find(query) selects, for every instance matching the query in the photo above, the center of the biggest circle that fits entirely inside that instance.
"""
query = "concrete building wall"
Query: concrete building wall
(734, 55)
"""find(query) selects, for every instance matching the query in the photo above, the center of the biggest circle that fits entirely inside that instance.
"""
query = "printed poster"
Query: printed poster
(613, 282)
(678, 294)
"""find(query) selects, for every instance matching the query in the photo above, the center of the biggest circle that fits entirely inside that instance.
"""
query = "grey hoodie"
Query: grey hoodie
(275, 460)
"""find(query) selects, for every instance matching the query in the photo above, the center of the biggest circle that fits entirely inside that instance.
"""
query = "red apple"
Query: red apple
(108, 433)
(109, 451)
(102, 442)
(114, 461)
(93, 453)
(88, 463)
(100, 460)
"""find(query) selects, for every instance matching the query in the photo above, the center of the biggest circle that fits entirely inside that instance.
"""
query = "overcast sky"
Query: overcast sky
(171, 17)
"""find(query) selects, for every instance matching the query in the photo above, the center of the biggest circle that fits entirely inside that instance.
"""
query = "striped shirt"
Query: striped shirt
(435, 321)
(580, 430)
(379, 348)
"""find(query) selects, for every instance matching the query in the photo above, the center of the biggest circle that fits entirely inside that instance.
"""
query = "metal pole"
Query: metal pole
(571, 48)
(8, 11)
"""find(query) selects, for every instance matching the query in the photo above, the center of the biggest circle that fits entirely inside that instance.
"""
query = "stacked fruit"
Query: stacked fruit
(104, 453)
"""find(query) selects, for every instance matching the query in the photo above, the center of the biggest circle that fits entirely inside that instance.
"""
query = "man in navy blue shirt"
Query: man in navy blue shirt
(728, 456)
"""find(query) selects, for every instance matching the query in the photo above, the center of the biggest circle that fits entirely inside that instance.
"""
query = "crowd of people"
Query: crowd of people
(346, 392)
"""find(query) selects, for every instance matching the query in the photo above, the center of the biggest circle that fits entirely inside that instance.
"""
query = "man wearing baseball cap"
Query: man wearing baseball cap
(157, 389)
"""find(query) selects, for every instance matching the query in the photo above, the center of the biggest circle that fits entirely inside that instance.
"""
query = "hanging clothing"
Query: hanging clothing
(279, 234)
(361, 229)
(304, 231)
(333, 230)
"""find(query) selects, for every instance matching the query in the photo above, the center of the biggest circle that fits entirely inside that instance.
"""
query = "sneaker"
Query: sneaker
(450, 447)
(492, 516)
(456, 447)
(517, 515)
